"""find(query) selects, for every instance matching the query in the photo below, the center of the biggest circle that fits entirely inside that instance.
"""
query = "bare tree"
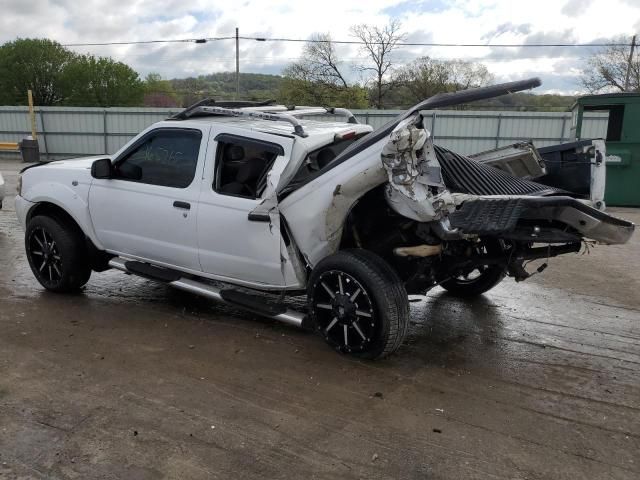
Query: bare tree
(379, 43)
(607, 70)
(319, 64)
(318, 79)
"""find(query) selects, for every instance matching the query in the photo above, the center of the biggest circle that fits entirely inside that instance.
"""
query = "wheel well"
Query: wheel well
(52, 210)
(98, 258)
(374, 226)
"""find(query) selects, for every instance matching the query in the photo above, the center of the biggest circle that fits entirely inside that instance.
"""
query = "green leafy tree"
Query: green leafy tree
(36, 64)
(159, 92)
(222, 86)
(525, 102)
(101, 82)
(425, 77)
(295, 91)
(191, 89)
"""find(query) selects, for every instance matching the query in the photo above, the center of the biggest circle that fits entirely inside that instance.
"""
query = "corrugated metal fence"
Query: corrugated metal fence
(70, 132)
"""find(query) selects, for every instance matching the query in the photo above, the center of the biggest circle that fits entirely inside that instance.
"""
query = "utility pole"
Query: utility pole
(626, 80)
(238, 64)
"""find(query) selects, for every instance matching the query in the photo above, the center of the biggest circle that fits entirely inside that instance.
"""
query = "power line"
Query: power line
(145, 42)
(170, 57)
(432, 44)
(348, 42)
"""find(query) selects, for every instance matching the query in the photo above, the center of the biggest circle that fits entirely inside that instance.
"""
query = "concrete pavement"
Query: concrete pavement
(130, 379)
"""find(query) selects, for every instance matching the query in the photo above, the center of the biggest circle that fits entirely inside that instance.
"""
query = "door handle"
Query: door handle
(258, 217)
(179, 204)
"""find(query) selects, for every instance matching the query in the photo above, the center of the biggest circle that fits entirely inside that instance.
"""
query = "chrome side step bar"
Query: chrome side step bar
(285, 315)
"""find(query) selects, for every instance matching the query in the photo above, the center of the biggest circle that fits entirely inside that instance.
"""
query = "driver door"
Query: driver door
(148, 209)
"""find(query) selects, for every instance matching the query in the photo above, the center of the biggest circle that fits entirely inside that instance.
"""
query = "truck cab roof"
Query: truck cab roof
(318, 132)
(288, 121)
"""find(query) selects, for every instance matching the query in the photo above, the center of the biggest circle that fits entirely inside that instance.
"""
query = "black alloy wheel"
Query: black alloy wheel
(344, 312)
(57, 253)
(358, 304)
(45, 255)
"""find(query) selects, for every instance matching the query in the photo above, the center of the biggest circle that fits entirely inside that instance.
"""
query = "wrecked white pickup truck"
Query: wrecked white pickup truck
(237, 200)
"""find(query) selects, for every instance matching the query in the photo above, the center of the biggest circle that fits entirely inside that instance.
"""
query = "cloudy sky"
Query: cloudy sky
(431, 21)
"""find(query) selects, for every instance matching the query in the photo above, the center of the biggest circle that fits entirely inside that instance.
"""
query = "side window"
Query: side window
(167, 158)
(242, 166)
(614, 127)
(322, 158)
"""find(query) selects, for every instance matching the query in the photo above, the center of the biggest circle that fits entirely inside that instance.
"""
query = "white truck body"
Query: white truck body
(238, 196)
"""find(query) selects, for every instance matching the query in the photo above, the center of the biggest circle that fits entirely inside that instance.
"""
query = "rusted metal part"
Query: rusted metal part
(418, 251)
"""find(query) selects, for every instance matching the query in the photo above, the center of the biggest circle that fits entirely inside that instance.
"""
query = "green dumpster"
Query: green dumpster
(622, 140)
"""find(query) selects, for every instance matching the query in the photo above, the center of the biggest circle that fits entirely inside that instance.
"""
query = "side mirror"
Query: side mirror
(101, 168)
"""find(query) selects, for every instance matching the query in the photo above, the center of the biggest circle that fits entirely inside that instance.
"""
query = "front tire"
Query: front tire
(358, 304)
(57, 254)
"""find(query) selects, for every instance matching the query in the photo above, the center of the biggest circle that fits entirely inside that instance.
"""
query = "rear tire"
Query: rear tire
(57, 254)
(358, 304)
(487, 279)
(483, 279)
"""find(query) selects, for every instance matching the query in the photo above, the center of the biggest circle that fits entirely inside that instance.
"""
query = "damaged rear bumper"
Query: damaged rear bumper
(497, 215)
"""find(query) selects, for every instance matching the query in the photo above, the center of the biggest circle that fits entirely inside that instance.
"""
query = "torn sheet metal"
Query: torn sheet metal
(292, 270)
(416, 189)
(344, 197)
(316, 213)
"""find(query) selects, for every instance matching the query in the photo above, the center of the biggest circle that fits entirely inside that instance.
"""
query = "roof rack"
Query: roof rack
(191, 110)
(308, 111)
(261, 111)
(256, 114)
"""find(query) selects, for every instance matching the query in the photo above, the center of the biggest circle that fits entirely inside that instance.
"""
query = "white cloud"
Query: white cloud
(443, 21)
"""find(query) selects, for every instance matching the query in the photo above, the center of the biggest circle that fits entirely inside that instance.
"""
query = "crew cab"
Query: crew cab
(245, 203)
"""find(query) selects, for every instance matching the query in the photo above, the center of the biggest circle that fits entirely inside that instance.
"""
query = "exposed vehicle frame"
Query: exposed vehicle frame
(355, 219)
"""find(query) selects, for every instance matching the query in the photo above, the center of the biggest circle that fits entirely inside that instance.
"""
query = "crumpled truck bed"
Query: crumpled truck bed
(464, 175)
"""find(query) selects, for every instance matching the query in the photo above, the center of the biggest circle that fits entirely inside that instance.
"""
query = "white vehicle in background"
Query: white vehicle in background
(261, 199)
